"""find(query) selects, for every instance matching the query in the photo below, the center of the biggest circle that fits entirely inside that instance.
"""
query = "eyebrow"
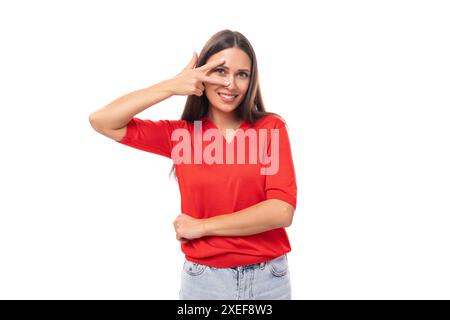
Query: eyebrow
(238, 70)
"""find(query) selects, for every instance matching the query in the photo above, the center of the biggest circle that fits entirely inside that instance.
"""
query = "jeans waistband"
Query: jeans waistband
(251, 266)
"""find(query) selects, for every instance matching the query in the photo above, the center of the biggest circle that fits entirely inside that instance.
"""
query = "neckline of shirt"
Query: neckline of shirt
(211, 124)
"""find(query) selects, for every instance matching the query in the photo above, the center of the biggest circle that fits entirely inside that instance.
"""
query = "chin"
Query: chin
(226, 106)
(225, 109)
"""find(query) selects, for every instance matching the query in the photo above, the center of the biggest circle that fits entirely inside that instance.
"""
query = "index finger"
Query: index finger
(214, 80)
(211, 65)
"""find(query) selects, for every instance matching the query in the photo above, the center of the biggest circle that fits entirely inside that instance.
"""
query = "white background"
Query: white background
(363, 85)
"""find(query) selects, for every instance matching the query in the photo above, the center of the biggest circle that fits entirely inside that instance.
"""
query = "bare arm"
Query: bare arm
(263, 216)
(112, 119)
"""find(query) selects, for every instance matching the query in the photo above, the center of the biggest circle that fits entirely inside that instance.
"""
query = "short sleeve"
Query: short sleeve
(149, 135)
(282, 184)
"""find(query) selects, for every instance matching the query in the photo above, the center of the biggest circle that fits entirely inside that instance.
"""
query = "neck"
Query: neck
(224, 120)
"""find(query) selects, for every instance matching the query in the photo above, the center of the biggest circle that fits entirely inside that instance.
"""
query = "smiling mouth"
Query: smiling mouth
(226, 97)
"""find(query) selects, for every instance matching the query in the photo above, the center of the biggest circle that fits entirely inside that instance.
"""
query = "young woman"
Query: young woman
(234, 209)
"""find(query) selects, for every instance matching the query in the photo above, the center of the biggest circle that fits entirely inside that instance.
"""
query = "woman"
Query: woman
(234, 210)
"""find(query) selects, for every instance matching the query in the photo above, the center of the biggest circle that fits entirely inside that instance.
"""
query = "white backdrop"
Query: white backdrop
(363, 85)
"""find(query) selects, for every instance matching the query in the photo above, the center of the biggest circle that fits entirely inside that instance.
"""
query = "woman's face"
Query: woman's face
(235, 69)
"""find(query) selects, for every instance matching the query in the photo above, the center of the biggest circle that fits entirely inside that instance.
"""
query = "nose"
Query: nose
(232, 84)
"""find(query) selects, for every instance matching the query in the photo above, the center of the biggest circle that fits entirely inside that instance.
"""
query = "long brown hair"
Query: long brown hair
(252, 107)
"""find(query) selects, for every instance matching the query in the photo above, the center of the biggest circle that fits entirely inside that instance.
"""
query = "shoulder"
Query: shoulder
(162, 123)
(270, 121)
(177, 124)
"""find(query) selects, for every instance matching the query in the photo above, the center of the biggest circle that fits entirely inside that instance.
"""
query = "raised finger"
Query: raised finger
(200, 86)
(210, 65)
(214, 80)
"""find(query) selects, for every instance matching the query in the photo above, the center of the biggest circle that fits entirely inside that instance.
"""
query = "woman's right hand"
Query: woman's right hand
(190, 80)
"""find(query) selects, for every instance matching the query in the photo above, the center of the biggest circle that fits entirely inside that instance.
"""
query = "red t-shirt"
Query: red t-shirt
(214, 189)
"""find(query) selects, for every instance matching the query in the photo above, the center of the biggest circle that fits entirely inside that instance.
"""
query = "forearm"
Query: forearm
(119, 112)
(263, 216)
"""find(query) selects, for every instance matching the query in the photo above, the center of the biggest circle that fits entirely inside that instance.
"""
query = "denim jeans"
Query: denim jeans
(268, 280)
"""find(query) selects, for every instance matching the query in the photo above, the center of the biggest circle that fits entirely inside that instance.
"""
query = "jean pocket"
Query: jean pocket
(279, 266)
(193, 268)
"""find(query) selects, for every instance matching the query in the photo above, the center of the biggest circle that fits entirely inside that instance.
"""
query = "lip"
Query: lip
(228, 94)
(225, 100)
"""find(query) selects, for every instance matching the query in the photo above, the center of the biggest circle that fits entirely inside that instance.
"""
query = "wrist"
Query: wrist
(205, 224)
(167, 87)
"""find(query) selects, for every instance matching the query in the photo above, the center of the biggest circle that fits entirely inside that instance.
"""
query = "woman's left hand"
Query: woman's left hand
(188, 228)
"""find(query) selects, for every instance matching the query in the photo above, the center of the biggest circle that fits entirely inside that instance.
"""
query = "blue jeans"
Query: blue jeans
(268, 280)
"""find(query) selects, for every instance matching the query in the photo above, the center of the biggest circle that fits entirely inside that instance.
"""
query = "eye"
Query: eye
(241, 73)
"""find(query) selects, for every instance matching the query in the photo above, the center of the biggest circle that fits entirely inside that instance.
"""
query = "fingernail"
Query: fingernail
(227, 83)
